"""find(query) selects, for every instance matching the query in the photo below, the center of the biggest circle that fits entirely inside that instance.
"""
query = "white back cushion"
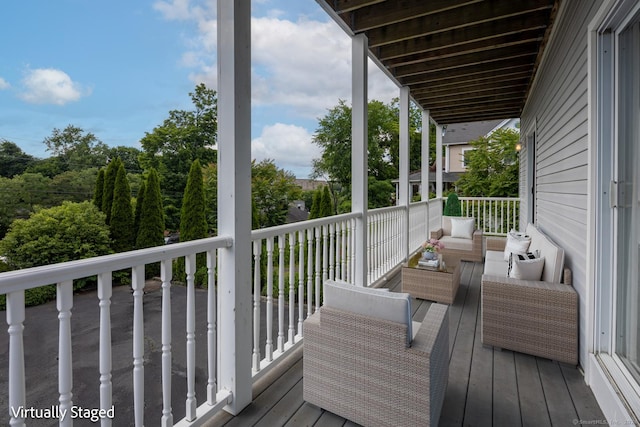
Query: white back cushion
(462, 227)
(378, 303)
(552, 253)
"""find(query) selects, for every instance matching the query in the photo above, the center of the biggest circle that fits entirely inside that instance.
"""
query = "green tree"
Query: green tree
(13, 161)
(128, 156)
(452, 207)
(151, 231)
(109, 185)
(273, 190)
(314, 212)
(99, 189)
(183, 137)
(121, 213)
(73, 185)
(76, 149)
(380, 193)
(492, 166)
(326, 203)
(62, 233)
(193, 224)
(210, 184)
(139, 201)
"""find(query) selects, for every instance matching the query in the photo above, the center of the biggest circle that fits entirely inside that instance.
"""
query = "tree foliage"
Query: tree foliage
(171, 148)
(334, 137)
(193, 224)
(273, 190)
(13, 161)
(151, 231)
(326, 203)
(492, 166)
(121, 213)
(452, 207)
(62, 233)
(76, 149)
(138, 210)
(99, 189)
(109, 186)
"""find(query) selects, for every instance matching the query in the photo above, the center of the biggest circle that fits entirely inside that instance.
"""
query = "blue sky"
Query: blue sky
(116, 68)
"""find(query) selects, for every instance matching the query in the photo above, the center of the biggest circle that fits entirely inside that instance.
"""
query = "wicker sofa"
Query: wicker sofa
(361, 363)
(537, 317)
(459, 248)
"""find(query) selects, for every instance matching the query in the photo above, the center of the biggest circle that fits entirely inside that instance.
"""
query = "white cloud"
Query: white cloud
(179, 10)
(50, 86)
(4, 84)
(289, 146)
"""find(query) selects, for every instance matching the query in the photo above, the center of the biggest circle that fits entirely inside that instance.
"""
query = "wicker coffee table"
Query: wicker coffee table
(430, 283)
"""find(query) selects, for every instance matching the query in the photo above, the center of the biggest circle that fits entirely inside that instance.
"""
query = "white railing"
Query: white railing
(15, 283)
(435, 214)
(418, 224)
(385, 240)
(494, 215)
(292, 261)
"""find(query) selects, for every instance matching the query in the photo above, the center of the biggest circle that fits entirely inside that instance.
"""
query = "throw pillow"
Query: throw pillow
(527, 269)
(521, 257)
(517, 244)
(462, 227)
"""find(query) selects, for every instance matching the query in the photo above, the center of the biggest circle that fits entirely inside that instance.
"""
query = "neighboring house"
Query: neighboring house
(455, 143)
(310, 184)
(457, 137)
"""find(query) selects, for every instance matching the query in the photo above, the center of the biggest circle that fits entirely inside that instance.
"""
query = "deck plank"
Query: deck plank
(284, 409)
(306, 415)
(532, 404)
(556, 392)
(583, 400)
(506, 406)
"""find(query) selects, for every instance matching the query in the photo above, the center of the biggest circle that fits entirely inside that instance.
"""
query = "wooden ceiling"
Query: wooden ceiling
(463, 60)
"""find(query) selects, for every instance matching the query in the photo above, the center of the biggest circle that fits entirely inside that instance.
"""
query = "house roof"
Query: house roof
(462, 133)
(463, 60)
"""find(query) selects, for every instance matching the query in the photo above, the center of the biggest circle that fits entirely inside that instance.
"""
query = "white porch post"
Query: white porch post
(439, 130)
(424, 185)
(404, 165)
(359, 156)
(234, 200)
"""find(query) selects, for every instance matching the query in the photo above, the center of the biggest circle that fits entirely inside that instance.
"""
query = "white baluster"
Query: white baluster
(309, 272)
(281, 244)
(257, 252)
(281, 261)
(64, 303)
(292, 287)
(212, 387)
(269, 343)
(300, 280)
(339, 250)
(325, 252)
(317, 267)
(190, 404)
(166, 275)
(104, 295)
(332, 251)
(351, 254)
(343, 250)
(15, 320)
(137, 284)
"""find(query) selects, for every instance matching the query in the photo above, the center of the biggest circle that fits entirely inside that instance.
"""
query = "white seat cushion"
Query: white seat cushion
(457, 243)
(494, 264)
(392, 306)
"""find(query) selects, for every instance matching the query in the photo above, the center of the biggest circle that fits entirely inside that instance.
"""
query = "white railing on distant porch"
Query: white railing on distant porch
(494, 215)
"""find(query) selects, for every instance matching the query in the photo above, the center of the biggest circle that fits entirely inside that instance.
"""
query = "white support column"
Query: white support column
(424, 192)
(404, 166)
(359, 154)
(439, 130)
(234, 200)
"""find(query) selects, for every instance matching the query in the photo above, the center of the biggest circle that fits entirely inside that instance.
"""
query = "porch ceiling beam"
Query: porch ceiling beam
(397, 11)
(451, 19)
(512, 55)
(456, 96)
(511, 27)
(524, 38)
(344, 6)
(514, 97)
(484, 112)
(470, 85)
(461, 75)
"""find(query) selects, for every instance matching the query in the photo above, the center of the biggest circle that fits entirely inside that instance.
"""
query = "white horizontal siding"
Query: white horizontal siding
(558, 104)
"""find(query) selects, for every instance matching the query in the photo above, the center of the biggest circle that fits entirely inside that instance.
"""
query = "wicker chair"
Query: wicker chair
(456, 248)
(360, 368)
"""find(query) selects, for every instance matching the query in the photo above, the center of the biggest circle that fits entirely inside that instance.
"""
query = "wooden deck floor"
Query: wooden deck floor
(487, 387)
